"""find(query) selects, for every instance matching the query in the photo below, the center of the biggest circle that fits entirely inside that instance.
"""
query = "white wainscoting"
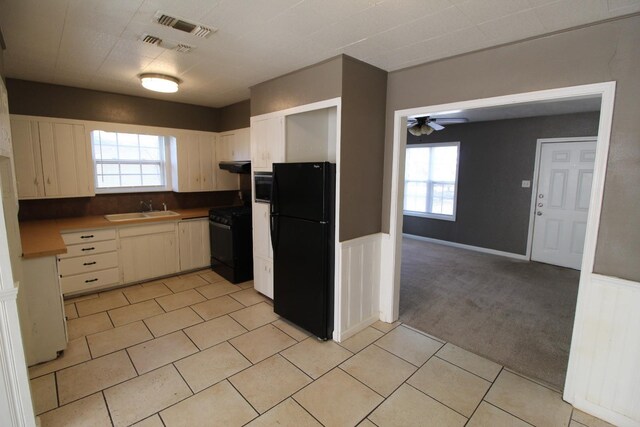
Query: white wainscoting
(15, 398)
(604, 367)
(357, 297)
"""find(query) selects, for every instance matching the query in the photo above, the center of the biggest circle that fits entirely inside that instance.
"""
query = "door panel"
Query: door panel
(299, 190)
(26, 151)
(562, 202)
(300, 274)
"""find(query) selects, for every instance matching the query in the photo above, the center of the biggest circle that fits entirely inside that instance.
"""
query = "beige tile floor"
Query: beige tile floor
(195, 350)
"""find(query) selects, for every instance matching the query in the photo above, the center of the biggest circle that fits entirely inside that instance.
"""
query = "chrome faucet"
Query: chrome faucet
(149, 206)
(164, 206)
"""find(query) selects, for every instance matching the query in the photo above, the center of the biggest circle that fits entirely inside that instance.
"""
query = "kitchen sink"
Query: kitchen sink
(155, 214)
(131, 216)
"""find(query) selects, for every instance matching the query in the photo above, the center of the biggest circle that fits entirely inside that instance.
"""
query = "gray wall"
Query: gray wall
(43, 99)
(495, 156)
(235, 116)
(311, 84)
(363, 91)
(361, 148)
(599, 53)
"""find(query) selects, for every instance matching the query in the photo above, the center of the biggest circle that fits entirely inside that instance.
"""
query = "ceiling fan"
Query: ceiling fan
(418, 126)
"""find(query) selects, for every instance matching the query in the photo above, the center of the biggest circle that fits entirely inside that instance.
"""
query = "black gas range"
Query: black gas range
(231, 243)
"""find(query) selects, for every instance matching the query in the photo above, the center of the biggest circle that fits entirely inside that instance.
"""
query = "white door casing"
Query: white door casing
(562, 202)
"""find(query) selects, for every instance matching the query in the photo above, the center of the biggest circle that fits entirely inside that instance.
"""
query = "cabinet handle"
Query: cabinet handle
(88, 249)
(89, 263)
(35, 181)
(88, 236)
(48, 180)
(90, 280)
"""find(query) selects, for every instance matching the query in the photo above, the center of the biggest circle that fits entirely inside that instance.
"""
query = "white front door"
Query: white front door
(562, 202)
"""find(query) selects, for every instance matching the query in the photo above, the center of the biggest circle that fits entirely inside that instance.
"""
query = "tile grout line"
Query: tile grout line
(483, 396)
(532, 380)
(106, 405)
(228, 379)
(193, 393)
(507, 412)
(442, 403)
(466, 370)
(305, 409)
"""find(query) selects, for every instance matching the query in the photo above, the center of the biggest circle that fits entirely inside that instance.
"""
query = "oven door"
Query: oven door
(221, 243)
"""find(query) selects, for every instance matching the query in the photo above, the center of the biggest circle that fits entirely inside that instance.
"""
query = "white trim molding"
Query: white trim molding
(468, 247)
(17, 408)
(586, 361)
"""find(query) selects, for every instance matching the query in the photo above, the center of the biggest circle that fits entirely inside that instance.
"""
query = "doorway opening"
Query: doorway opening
(454, 264)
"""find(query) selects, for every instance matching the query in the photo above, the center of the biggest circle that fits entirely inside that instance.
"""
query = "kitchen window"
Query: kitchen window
(129, 162)
(431, 180)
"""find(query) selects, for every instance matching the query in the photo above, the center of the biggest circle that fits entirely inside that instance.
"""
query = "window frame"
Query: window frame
(443, 217)
(165, 163)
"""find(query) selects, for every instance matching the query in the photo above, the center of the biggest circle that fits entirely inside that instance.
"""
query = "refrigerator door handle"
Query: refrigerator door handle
(274, 231)
(273, 205)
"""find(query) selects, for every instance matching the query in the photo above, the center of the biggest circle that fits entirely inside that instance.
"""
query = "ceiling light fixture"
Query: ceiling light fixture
(159, 82)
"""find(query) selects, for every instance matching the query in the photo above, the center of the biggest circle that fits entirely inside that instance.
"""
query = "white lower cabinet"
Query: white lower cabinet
(263, 276)
(148, 251)
(195, 251)
(43, 312)
(91, 261)
(102, 258)
(262, 252)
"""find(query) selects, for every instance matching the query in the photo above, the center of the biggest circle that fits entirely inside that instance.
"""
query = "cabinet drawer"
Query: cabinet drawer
(85, 264)
(88, 281)
(89, 249)
(88, 236)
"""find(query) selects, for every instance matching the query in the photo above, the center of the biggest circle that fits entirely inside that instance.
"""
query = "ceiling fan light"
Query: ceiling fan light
(426, 130)
(159, 82)
(415, 130)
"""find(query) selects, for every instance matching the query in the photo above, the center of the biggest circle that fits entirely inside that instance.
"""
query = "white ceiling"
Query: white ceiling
(96, 43)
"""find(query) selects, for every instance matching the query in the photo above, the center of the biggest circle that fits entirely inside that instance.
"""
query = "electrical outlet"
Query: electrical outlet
(526, 183)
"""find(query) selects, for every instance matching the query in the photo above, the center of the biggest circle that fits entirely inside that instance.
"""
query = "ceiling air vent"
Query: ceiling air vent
(166, 44)
(151, 39)
(184, 25)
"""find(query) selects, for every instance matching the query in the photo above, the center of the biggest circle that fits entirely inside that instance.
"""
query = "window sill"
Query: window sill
(451, 218)
(120, 190)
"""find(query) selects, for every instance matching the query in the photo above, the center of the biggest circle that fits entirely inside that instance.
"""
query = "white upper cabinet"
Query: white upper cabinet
(267, 143)
(232, 145)
(5, 127)
(52, 159)
(193, 157)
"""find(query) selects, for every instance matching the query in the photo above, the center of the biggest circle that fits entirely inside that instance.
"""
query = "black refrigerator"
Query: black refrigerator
(302, 236)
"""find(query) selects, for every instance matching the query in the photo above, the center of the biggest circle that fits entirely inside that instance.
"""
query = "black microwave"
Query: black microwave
(262, 186)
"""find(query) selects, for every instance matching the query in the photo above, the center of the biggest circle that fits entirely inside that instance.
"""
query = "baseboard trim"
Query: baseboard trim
(469, 247)
(355, 329)
(604, 413)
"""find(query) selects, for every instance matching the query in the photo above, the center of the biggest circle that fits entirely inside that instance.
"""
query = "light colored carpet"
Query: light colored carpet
(517, 313)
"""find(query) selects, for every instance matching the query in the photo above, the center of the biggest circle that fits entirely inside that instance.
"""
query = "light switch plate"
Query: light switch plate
(526, 183)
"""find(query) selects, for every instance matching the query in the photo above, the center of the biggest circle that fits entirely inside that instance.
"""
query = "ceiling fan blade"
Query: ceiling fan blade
(435, 126)
(450, 120)
(411, 122)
